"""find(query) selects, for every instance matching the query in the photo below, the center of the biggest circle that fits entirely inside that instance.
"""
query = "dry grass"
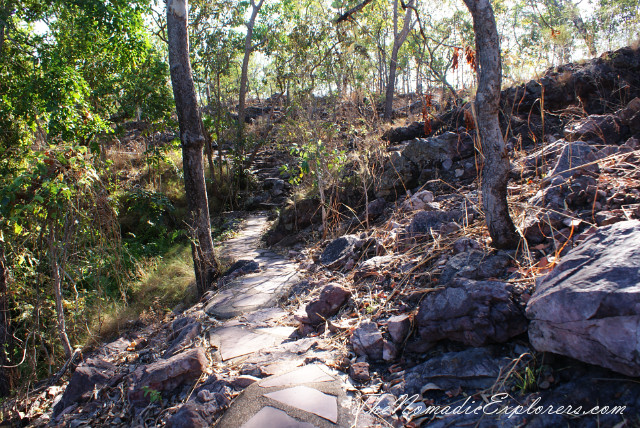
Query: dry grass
(164, 283)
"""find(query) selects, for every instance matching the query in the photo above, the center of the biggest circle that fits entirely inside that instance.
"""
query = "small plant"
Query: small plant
(154, 394)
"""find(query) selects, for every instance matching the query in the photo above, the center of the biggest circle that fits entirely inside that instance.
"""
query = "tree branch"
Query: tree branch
(347, 15)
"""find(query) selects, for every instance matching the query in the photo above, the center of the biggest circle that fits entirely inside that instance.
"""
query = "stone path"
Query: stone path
(255, 290)
(297, 394)
(307, 397)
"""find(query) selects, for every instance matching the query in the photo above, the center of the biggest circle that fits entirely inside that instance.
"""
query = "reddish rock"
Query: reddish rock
(166, 375)
(188, 416)
(332, 297)
(360, 372)
(94, 373)
(243, 381)
(398, 327)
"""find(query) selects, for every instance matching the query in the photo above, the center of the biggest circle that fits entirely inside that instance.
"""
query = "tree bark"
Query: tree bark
(495, 173)
(192, 139)
(398, 40)
(6, 342)
(57, 291)
(248, 48)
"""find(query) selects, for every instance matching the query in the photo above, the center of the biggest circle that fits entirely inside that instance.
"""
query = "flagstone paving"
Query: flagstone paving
(310, 396)
(255, 290)
(297, 394)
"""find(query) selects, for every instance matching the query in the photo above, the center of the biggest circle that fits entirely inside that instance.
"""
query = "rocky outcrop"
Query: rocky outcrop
(601, 129)
(588, 307)
(472, 312)
(404, 167)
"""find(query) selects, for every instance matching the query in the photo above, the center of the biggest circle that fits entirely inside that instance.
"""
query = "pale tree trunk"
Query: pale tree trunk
(192, 139)
(398, 40)
(248, 48)
(495, 172)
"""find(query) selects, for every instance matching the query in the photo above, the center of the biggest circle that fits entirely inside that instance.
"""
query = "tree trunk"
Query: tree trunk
(245, 64)
(57, 291)
(6, 342)
(192, 139)
(495, 173)
(398, 40)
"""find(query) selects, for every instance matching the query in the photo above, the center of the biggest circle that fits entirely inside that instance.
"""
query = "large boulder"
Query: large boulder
(474, 368)
(166, 375)
(472, 312)
(93, 374)
(588, 307)
(576, 158)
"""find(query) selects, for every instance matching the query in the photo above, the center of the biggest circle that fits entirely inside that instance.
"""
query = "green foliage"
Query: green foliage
(154, 395)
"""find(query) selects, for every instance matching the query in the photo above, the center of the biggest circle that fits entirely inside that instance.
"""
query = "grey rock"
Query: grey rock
(474, 368)
(243, 381)
(472, 312)
(626, 114)
(338, 251)
(474, 265)
(242, 267)
(397, 172)
(275, 186)
(184, 336)
(573, 156)
(367, 341)
(465, 244)
(543, 157)
(603, 129)
(424, 221)
(539, 225)
(447, 146)
(588, 307)
(188, 416)
(94, 373)
(376, 208)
